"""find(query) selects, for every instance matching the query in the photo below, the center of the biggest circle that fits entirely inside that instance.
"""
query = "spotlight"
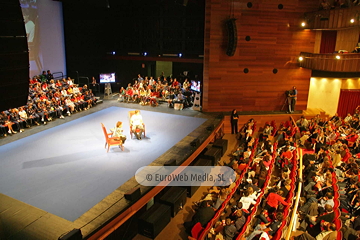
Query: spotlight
(352, 20)
(145, 53)
(301, 58)
(113, 53)
(180, 54)
(337, 57)
(303, 24)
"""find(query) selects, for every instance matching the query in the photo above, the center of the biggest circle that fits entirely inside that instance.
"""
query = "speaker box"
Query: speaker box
(232, 36)
(154, 220)
(222, 144)
(213, 154)
(175, 197)
(191, 189)
(74, 234)
(171, 162)
(210, 128)
(133, 195)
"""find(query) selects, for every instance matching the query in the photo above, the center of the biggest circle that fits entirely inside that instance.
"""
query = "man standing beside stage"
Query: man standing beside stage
(137, 124)
(293, 96)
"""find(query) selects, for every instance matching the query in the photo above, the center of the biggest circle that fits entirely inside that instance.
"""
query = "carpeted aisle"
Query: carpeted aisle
(65, 170)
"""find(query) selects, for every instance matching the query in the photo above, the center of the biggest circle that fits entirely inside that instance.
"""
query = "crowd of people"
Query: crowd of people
(148, 91)
(331, 188)
(48, 100)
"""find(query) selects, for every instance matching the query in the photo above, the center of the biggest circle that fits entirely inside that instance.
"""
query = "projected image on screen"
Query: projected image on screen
(30, 14)
(44, 30)
(107, 77)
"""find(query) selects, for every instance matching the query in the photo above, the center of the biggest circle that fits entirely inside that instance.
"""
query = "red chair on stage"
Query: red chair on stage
(111, 141)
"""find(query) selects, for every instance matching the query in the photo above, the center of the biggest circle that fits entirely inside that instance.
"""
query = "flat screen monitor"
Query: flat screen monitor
(195, 85)
(107, 77)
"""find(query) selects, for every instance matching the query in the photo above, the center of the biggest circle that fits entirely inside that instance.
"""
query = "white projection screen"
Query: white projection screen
(43, 21)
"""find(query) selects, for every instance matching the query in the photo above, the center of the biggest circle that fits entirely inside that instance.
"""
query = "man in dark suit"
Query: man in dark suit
(203, 215)
(316, 221)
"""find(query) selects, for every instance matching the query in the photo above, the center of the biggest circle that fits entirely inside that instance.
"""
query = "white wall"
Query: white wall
(324, 92)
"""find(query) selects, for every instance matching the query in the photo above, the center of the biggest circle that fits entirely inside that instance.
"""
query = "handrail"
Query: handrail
(289, 198)
(289, 230)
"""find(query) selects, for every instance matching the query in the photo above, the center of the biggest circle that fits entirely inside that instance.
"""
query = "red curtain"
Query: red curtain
(328, 41)
(348, 101)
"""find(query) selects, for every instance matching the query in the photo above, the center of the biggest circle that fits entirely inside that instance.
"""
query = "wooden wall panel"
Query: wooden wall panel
(347, 39)
(333, 19)
(276, 41)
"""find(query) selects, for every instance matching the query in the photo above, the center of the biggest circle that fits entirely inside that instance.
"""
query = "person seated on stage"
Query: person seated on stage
(137, 124)
(118, 132)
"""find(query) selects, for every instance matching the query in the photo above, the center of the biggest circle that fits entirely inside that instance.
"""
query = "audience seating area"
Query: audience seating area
(329, 198)
(153, 92)
(48, 100)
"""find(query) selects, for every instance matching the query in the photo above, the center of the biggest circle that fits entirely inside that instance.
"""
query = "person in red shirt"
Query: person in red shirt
(286, 157)
(273, 200)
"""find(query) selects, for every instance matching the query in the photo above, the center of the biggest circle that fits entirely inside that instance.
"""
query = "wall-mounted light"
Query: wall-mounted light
(352, 20)
(303, 24)
(337, 57)
(301, 58)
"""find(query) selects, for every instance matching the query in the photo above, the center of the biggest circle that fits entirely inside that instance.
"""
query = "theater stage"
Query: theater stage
(61, 177)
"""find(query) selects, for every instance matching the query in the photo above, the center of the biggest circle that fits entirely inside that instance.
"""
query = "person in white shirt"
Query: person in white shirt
(137, 124)
(247, 200)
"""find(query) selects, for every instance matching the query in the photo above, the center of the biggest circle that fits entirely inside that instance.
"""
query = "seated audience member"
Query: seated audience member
(229, 229)
(266, 132)
(273, 200)
(328, 233)
(240, 220)
(267, 230)
(221, 198)
(203, 215)
(5, 121)
(247, 200)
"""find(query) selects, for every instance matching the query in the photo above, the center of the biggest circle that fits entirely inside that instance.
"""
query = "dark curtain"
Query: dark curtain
(328, 41)
(348, 101)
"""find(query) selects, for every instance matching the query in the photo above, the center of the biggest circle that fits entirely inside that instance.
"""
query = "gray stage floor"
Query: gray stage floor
(22, 221)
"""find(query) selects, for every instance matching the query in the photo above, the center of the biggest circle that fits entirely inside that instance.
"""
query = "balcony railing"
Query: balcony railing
(337, 62)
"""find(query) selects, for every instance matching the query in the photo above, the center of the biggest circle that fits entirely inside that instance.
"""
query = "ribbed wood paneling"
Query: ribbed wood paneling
(276, 41)
(347, 39)
(333, 19)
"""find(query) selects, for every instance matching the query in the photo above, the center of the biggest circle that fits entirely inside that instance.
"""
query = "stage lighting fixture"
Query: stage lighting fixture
(145, 53)
(180, 54)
